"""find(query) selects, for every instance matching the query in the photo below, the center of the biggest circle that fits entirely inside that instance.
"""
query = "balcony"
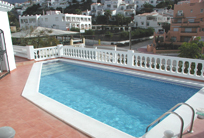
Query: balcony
(188, 33)
(179, 15)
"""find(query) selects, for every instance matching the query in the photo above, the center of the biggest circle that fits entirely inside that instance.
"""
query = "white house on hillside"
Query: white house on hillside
(153, 19)
(115, 6)
(56, 20)
(7, 61)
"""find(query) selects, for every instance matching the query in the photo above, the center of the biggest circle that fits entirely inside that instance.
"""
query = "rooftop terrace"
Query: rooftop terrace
(28, 120)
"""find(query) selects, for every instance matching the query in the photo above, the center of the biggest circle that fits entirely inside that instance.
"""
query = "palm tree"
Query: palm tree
(108, 15)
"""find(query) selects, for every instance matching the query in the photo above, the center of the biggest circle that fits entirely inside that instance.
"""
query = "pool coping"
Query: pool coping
(95, 128)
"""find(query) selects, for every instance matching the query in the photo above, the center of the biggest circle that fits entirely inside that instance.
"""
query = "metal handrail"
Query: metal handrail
(193, 113)
(170, 111)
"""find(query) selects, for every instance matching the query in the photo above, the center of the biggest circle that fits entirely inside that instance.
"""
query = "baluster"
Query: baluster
(140, 61)
(189, 68)
(150, 62)
(196, 68)
(183, 67)
(171, 65)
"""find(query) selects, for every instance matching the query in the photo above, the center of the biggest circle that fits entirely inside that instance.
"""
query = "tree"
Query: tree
(13, 20)
(108, 15)
(89, 32)
(147, 8)
(101, 19)
(35, 9)
(77, 11)
(166, 27)
(192, 49)
(120, 19)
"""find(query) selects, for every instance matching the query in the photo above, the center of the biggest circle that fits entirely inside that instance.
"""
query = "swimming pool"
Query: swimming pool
(82, 86)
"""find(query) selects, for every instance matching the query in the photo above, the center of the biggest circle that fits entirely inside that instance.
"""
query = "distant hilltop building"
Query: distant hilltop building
(124, 7)
(56, 20)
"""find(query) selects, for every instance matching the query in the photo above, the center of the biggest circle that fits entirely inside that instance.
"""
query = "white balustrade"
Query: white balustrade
(46, 53)
(23, 51)
(181, 67)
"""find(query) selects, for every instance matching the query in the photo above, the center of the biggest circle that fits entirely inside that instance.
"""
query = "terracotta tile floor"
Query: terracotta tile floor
(29, 121)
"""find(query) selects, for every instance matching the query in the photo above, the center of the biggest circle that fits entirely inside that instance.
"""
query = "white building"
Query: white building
(115, 6)
(153, 19)
(56, 20)
(58, 3)
(7, 61)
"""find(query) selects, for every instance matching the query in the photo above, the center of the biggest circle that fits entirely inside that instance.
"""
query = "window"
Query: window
(151, 1)
(142, 23)
(147, 24)
(175, 29)
(136, 24)
(108, 6)
(201, 10)
(21, 20)
(114, 6)
(137, 2)
(173, 38)
(180, 13)
(188, 30)
(191, 20)
(122, 8)
(201, 19)
(191, 10)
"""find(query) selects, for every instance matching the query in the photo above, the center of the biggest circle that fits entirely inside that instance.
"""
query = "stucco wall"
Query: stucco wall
(4, 25)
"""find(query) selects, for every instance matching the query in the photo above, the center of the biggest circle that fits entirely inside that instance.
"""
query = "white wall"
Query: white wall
(4, 25)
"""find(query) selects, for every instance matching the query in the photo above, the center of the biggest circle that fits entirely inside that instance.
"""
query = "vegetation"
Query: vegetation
(108, 15)
(165, 4)
(35, 9)
(101, 19)
(138, 33)
(166, 27)
(147, 8)
(89, 32)
(75, 29)
(120, 19)
(192, 49)
(42, 39)
(13, 20)
(76, 8)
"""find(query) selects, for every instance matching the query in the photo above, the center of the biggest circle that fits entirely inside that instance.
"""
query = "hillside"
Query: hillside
(15, 1)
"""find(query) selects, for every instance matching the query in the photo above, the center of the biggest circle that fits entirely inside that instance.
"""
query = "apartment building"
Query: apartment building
(56, 20)
(187, 22)
(153, 19)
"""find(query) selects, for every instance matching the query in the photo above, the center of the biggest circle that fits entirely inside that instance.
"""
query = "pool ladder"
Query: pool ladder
(170, 111)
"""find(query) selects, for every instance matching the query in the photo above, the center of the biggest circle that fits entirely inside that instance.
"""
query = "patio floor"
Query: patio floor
(29, 121)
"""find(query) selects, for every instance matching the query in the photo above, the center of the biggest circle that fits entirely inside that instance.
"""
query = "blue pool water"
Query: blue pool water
(125, 102)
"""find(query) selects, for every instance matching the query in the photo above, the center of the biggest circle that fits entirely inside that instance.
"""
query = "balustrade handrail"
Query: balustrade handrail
(176, 66)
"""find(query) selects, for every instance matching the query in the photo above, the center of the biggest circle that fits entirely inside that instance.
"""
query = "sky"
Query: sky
(15, 1)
